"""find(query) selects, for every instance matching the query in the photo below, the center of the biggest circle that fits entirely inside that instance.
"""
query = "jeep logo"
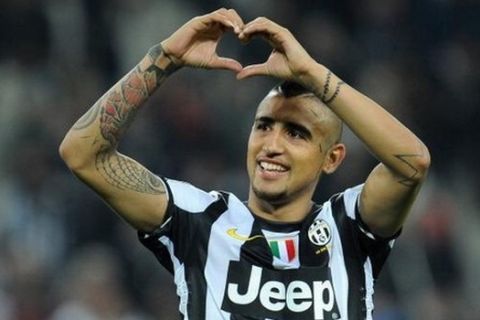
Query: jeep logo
(295, 298)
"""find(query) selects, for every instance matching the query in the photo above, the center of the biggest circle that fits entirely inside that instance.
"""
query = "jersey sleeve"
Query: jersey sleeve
(174, 237)
(375, 247)
(351, 198)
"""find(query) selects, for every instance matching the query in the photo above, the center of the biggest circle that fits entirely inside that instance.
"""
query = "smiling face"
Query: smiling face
(293, 140)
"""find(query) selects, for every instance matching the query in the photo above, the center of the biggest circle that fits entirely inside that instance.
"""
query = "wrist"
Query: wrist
(325, 84)
(312, 77)
(157, 59)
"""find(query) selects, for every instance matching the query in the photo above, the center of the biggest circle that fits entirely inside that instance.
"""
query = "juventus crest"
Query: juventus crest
(319, 232)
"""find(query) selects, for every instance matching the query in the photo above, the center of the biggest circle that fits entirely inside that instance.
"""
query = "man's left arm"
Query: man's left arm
(393, 185)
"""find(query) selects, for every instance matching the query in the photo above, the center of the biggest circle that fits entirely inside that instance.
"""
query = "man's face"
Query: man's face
(287, 148)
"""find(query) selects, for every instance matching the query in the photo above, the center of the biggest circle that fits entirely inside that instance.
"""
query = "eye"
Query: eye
(262, 126)
(296, 134)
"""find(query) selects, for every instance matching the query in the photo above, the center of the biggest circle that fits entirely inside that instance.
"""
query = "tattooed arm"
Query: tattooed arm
(90, 147)
(392, 186)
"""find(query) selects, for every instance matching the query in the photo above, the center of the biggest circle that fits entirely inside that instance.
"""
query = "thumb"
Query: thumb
(225, 63)
(253, 70)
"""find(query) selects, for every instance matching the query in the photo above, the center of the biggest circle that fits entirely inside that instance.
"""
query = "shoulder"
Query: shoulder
(344, 208)
(187, 198)
(346, 202)
(190, 198)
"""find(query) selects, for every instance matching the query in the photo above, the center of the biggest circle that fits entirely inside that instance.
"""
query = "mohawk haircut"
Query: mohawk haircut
(291, 89)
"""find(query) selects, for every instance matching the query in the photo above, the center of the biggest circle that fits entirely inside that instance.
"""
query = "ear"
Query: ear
(334, 158)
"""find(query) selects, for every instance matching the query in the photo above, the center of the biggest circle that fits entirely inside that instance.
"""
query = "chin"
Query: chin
(270, 196)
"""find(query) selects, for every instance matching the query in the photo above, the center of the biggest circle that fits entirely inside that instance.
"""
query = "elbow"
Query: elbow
(412, 168)
(63, 150)
(72, 156)
(424, 162)
(67, 154)
(421, 165)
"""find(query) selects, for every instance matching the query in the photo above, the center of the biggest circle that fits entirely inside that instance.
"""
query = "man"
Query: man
(277, 256)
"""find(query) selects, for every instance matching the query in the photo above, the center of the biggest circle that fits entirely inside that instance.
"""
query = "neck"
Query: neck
(287, 211)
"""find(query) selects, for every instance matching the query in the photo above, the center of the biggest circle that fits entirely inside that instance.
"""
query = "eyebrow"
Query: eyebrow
(288, 124)
(264, 119)
(300, 128)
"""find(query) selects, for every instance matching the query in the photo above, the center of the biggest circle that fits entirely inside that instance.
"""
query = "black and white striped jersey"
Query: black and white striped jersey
(230, 264)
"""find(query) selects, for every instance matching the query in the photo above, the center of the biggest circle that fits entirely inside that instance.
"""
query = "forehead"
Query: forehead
(305, 110)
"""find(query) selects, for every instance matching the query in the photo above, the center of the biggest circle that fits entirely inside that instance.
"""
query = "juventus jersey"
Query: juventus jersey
(230, 264)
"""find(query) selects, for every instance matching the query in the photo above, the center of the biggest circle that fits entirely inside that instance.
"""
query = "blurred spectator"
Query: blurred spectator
(92, 289)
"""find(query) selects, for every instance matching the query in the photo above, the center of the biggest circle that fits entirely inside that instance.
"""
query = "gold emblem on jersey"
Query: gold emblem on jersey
(323, 249)
(232, 232)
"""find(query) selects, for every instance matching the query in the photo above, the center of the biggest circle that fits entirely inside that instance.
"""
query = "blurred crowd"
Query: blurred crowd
(65, 256)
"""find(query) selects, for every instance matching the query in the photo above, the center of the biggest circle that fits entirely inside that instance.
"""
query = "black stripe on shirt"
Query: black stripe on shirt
(196, 252)
(353, 258)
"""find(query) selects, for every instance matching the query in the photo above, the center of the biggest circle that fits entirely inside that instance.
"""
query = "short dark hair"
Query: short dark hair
(291, 89)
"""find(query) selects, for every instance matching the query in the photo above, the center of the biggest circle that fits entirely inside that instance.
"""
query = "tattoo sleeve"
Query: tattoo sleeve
(117, 108)
(87, 119)
(120, 105)
(125, 173)
(115, 111)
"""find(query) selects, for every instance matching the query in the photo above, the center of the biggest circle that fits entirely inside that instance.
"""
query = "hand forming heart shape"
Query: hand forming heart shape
(195, 45)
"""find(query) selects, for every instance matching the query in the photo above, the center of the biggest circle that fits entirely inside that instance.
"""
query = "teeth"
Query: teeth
(271, 167)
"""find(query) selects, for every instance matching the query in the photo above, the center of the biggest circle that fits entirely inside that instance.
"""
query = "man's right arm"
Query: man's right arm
(90, 147)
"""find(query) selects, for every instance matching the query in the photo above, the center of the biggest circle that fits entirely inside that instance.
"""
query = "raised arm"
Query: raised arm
(392, 186)
(90, 147)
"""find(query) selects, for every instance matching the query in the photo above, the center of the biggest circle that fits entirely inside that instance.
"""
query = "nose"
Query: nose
(273, 143)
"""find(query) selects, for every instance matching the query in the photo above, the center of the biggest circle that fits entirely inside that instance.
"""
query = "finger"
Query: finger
(261, 24)
(237, 19)
(225, 63)
(226, 18)
(262, 27)
(253, 70)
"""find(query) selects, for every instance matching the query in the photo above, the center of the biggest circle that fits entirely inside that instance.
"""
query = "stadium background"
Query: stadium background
(64, 255)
